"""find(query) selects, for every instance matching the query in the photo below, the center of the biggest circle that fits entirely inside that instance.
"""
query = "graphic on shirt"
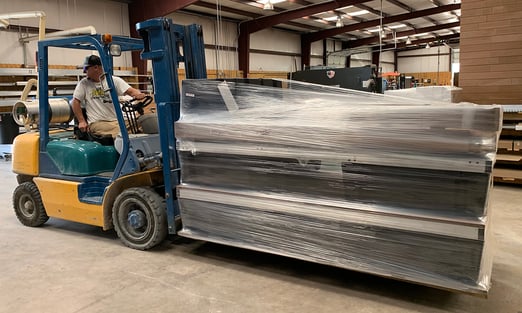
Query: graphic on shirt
(99, 93)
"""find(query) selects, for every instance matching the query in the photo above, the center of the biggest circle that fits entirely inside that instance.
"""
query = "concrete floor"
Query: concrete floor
(67, 267)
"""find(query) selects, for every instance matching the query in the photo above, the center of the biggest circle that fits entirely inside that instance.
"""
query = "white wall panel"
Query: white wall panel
(387, 61)
(268, 62)
(362, 56)
(276, 40)
(105, 16)
(424, 60)
(223, 34)
(226, 34)
(316, 49)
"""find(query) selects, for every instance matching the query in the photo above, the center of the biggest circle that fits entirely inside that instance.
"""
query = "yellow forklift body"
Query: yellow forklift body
(25, 154)
(60, 199)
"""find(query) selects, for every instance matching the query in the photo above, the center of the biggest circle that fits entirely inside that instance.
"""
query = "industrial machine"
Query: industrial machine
(358, 78)
(385, 185)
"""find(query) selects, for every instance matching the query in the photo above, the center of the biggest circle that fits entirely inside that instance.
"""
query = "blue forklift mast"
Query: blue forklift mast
(162, 42)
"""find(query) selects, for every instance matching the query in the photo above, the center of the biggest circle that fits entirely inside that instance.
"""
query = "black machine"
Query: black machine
(357, 78)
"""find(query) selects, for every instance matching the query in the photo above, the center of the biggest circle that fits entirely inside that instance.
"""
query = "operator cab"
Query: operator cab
(67, 153)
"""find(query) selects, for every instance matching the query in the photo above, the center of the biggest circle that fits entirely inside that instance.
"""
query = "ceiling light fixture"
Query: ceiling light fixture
(428, 45)
(268, 5)
(357, 13)
(339, 22)
(408, 41)
(4, 23)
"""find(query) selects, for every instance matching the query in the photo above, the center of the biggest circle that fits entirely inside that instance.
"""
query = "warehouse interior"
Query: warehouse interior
(311, 156)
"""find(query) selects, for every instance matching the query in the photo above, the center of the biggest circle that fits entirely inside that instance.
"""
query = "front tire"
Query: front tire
(28, 205)
(140, 218)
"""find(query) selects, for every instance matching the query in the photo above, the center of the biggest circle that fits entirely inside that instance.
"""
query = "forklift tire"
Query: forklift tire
(139, 216)
(28, 205)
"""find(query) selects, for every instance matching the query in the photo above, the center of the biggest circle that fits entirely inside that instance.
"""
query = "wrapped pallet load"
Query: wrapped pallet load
(380, 184)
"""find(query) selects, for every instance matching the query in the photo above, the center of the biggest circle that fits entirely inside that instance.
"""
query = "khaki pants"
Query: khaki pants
(105, 128)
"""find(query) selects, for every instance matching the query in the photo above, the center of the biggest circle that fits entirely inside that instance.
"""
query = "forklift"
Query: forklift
(128, 185)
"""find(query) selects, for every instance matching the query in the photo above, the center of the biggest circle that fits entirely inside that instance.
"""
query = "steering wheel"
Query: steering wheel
(136, 105)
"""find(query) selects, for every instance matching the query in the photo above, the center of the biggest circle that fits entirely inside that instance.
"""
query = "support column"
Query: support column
(325, 55)
(243, 50)
(306, 47)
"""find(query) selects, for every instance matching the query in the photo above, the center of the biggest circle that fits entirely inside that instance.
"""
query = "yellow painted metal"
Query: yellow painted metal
(60, 199)
(25, 154)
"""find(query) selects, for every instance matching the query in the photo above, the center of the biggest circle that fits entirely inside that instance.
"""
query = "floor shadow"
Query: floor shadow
(318, 275)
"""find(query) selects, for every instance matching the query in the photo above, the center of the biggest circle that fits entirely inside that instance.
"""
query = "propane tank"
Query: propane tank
(26, 113)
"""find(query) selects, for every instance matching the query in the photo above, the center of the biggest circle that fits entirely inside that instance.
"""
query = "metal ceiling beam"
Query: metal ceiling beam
(271, 20)
(311, 37)
(419, 41)
(307, 39)
(246, 28)
(370, 9)
(141, 10)
(227, 9)
(248, 14)
(410, 9)
(371, 40)
(378, 13)
(401, 5)
(276, 9)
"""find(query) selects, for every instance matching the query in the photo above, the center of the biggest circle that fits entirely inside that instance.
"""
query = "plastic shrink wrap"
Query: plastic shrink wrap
(386, 185)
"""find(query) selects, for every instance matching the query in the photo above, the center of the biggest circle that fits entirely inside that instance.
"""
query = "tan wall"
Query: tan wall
(491, 52)
(268, 74)
(436, 78)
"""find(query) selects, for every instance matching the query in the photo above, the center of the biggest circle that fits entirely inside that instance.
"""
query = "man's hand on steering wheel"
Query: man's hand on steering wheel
(140, 96)
(137, 104)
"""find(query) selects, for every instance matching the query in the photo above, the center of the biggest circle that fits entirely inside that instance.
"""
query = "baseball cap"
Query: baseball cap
(91, 60)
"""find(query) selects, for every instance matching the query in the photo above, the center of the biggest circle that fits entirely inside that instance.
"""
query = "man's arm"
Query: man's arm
(78, 113)
(135, 93)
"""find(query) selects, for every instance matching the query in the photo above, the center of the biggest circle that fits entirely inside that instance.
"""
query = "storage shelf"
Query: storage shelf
(508, 166)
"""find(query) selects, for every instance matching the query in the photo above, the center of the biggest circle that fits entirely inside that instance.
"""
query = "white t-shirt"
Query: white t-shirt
(98, 104)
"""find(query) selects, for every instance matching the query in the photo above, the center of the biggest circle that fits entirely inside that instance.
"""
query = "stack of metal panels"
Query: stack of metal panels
(386, 185)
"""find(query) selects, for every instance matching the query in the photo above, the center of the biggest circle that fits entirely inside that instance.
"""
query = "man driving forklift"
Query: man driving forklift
(101, 118)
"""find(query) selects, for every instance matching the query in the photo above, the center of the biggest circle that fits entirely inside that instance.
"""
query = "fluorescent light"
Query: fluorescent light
(396, 26)
(268, 5)
(339, 22)
(331, 18)
(357, 13)
(271, 1)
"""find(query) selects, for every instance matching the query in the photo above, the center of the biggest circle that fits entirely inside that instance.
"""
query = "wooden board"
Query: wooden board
(511, 176)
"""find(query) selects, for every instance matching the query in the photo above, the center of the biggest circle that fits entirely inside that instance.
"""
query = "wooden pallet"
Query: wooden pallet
(509, 176)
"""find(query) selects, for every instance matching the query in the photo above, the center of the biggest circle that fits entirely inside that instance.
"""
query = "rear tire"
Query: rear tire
(28, 205)
(139, 216)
